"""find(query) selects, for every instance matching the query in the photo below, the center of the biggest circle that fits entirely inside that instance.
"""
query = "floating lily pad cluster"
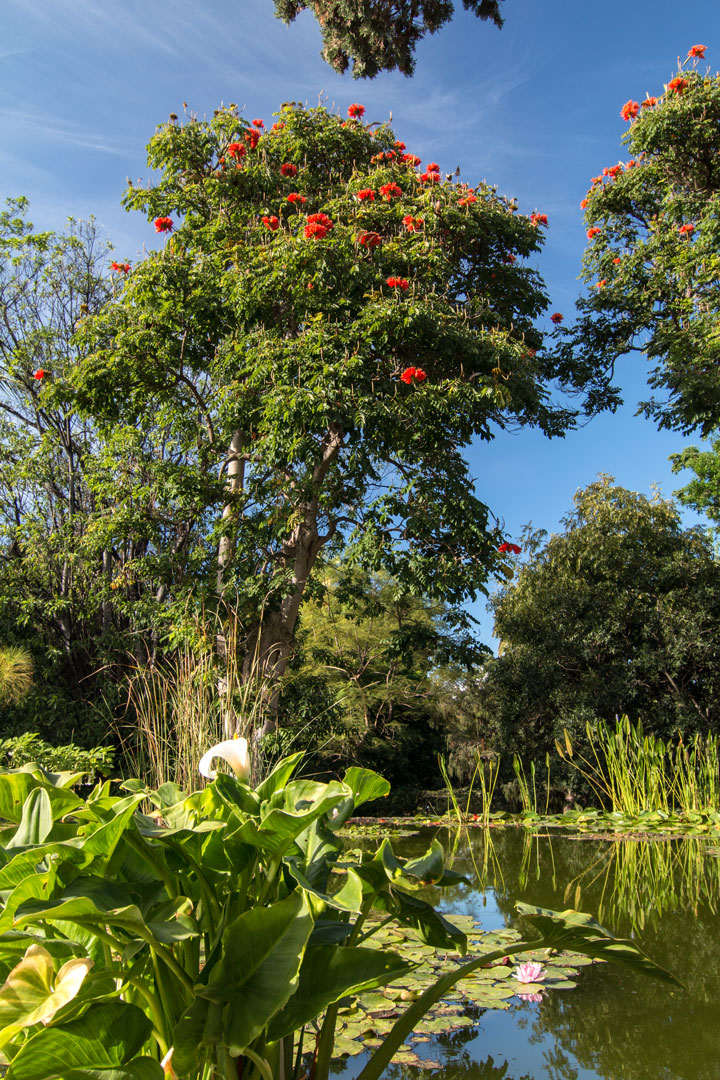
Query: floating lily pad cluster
(364, 1020)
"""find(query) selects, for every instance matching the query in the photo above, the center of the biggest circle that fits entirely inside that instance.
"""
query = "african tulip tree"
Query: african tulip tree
(326, 328)
(652, 262)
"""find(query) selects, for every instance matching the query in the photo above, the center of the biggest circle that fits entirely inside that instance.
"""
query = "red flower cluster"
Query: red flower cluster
(356, 111)
(294, 197)
(40, 374)
(538, 219)
(278, 126)
(163, 224)
(252, 138)
(467, 199)
(411, 373)
(612, 171)
(236, 150)
(411, 159)
(271, 223)
(686, 230)
(120, 268)
(413, 224)
(698, 50)
(391, 191)
(595, 231)
(677, 85)
(648, 102)
(288, 169)
(318, 225)
(433, 167)
(509, 258)
(366, 193)
(514, 548)
(399, 145)
(258, 124)
(595, 180)
(557, 318)
(583, 203)
(398, 283)
(617, 260)
(369, 239)
(599, 284)
(630, 110)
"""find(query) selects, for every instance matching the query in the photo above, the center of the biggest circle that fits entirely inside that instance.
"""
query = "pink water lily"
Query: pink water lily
(530, 997)
(529, 972)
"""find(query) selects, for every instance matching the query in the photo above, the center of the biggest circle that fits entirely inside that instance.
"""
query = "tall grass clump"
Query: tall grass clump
(631, 772)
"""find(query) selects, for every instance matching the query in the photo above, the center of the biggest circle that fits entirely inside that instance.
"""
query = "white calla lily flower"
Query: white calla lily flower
(234, 751)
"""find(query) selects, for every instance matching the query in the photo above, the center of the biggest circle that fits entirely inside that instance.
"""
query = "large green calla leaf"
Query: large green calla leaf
(328, 974)
(365, 784)
(103, 1038)
(349, 896)
(36, 822)
(16, 786)
(280, 827)
(262, 952)
(575, 930)
(28, 997)
(280, 775)
(430, 926)
(142, 1068)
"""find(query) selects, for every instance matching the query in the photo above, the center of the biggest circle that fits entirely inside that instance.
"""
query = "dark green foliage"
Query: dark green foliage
(373, 676)
(617, 614)
(703, 491)
(376, 35)
(653, 287)
(30, 747)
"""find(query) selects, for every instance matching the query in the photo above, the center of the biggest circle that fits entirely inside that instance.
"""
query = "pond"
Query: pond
(614, 1024)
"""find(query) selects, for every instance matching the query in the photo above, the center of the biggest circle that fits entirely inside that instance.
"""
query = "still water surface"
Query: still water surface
(615, 1025)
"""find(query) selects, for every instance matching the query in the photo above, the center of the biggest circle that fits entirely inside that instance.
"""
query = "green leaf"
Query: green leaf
(28, 997)
(280, 775)
(103, 1038)
(431, 927)
(348, 897)
(365, 784)
(36, 821)
(16, 786)
(262, 952)
(328, 974)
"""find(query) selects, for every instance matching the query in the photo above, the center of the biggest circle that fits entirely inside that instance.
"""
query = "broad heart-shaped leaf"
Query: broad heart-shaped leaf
(103, 1038)
(430, 926)
(16, 785)
(579, 932)
(262, 952)
(320, 849)
(199, 1028)
(365, 785)
(426, 870)
(27, 997)
(280, 827)
(280, 775)
(81, 910)
(327, 974)
(36, 821)
(349, 896)
(142, 1068)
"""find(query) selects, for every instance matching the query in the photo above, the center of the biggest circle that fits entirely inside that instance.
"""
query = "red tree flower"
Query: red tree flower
(595, 231)
(411, 373)
(252, 138)
(677, 85)
(429, 178)
(391, 191)
(630, 110)
(369, 239)
(366, 193)
(258, 124)
(271, 223)
(648, 102)
(320, 219)
(599, 284)
(411, 159)
(698, 50)
(294, 197)
(686, 230)
(538, 219)
(467, 199)
(163, 224)
(509, 258)
(356, 111)
(40, 374)
(398, 283)
(288, 169)
(120, 268)
(617, 260)
(433, 167)
(399, 145)
(314, 229)
(557, 318)
(583, 203)
(413, 224)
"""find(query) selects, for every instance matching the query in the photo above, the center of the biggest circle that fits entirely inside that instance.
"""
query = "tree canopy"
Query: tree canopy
(617, 614)
(376, 35)
(302, 364)
(652, 262)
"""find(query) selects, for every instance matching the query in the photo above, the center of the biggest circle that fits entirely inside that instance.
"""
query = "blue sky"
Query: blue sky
(533, 108)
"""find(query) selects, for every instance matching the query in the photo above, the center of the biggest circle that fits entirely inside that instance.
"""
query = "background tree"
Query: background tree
(371, 678)
(376, 35)
(617, 614)
(652, 261)
(322, 335)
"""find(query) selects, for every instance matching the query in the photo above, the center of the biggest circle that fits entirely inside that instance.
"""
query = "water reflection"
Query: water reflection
(616, 1025)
